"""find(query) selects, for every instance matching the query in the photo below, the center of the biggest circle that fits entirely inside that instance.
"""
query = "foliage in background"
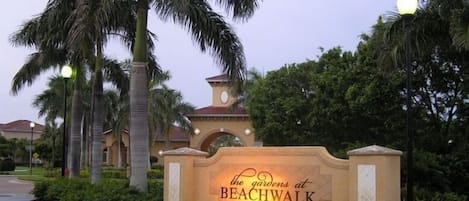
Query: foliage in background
(345, 99)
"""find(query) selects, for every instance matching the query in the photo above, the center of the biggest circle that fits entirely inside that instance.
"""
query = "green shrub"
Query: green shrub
(155, 190)
(60, 190)
(52, 172)
(114, 173)
(155, 174)
(84, 173)
(106, 190)
(40, 189)
(424, 194)
(157, 166)
(107, 166)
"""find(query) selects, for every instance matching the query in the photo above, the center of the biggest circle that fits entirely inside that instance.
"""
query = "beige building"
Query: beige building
(178, 139)
(209, 122)
(21, 129)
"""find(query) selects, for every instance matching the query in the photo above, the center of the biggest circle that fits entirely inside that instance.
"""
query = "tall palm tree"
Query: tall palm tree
(75, 32)
(47, 33)
(209, 30)
(94, 22)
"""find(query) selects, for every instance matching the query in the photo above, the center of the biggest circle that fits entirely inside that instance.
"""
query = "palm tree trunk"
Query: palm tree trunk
(53, 151)
(75, 136)
(138, 104)
(84, 146)
(119, 151)
(98, 118)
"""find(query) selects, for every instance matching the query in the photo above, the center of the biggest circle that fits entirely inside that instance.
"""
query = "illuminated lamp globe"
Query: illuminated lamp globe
(196, 131)
(66, 71)
(407, 7)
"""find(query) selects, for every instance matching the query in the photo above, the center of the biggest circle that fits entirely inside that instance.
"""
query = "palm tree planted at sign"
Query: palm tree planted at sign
(209, 31)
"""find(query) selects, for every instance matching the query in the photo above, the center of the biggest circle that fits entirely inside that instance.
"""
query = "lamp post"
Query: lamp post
(31, 125)
(66, 73)
(407, 9)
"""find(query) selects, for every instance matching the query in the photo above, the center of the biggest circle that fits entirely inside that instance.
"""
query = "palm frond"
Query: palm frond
(37, 63)
(210, 31)
(239, 9)
(117, 73)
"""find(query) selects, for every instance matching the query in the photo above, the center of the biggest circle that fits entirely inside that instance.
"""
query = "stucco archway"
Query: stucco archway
(211, 137)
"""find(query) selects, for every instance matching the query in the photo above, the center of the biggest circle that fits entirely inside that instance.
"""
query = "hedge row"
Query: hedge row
(106, 190)
(108, 173)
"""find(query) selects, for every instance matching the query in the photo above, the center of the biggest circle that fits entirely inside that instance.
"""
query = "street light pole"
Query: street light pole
(66, 74)
(31, 125)
(407, 9)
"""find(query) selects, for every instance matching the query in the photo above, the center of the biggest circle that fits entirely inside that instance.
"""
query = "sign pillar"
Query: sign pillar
(179, 173)
(374, 174)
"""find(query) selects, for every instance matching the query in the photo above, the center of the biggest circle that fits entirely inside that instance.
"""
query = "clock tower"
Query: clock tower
(220, 118)
(221, 94)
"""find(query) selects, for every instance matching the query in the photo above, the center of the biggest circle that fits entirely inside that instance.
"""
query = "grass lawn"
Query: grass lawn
(24, 173)
(22, 170)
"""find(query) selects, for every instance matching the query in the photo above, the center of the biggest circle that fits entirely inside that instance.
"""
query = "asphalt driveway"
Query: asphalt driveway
(11, 189)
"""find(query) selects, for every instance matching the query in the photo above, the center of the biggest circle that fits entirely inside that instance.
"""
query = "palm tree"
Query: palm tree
(51, 134)
(50, 101)
(94, 22)
(253, 75)
(118, 118)
(50, 105)
(166, 108)
(47, 33)
(210, 31)
(75, 32)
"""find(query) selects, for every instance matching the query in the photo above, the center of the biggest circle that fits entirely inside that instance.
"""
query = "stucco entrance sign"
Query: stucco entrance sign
(264, 183)
(282, 174)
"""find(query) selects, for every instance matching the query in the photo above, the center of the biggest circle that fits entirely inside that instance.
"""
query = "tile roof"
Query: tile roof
(213, 111)
(177, 135)
(218, 78)
(21, 125)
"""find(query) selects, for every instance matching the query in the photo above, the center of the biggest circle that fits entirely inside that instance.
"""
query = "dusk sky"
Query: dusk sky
(281, 32)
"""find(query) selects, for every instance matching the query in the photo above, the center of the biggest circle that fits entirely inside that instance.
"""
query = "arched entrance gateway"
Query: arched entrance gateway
(220, 119)
(215, 125)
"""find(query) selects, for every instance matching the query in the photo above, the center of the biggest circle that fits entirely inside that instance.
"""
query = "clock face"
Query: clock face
(224, 96)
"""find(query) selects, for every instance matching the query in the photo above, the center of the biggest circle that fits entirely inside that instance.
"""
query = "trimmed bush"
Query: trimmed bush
(107, 189)
(114, 173)
(155, 174)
